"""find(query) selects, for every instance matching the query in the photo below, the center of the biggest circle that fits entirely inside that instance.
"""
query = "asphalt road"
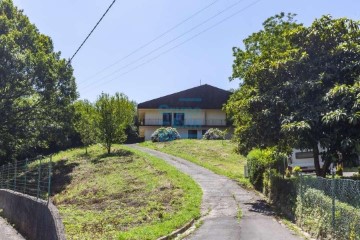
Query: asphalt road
(7, 232)
(222, 199)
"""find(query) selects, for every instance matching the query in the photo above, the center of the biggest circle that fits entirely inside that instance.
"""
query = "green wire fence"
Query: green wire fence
(31, 177)
(329, 206)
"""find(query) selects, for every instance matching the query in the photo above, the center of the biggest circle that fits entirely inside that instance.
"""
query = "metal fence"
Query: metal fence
(343, 190)
(31, 177)
(329, 205)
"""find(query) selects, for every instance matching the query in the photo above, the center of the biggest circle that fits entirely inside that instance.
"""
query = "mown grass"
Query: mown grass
(124, 195)
(216, 155)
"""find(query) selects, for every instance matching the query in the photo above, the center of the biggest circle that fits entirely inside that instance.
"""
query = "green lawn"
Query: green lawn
(124, 195)
(217, 155)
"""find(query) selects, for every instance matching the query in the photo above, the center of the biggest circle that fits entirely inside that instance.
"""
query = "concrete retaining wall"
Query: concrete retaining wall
(32, 217)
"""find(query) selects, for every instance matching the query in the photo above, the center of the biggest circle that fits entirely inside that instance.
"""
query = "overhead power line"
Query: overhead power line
(153, 40)
(82, 44)
(182, 43)
(170, 41)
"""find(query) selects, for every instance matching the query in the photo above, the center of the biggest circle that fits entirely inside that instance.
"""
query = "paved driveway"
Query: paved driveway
(222, 199)
(7, 232)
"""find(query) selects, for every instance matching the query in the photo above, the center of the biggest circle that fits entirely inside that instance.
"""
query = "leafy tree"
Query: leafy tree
(114, 114)
(36, 87)
(293, 90)
(84, 123)
(255, 107)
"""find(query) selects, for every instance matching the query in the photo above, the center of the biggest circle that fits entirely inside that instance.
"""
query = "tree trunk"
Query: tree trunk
(316, 160)
(86, 150)
(325, 167)
(109, 148)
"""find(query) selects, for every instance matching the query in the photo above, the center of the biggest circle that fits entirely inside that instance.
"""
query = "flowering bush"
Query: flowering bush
(214, 134)
(165, 134)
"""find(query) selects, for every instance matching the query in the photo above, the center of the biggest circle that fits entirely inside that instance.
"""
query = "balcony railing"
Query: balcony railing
(187, 122)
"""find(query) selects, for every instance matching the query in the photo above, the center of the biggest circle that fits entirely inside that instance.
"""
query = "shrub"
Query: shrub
(214, 134)
(339, 170)
(281, 192)
(165, 134)
(314, 214)
(296, 171)
(258, 160)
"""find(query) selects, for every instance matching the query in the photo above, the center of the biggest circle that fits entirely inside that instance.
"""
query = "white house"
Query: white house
(192, 112)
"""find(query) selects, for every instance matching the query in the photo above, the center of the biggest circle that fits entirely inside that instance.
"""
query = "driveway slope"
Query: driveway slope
(222, 199)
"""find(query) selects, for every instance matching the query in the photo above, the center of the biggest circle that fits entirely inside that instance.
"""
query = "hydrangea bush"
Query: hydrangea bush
(214, 134)
(165, 134)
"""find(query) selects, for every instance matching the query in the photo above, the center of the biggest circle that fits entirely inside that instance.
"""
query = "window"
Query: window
(166, 119)
(179, 119)
(192, 134)
(303, 155)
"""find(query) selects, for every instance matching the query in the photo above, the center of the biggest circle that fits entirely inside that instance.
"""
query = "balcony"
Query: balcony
(186, 123)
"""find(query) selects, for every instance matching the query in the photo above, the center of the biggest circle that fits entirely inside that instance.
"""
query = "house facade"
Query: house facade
(192, 112)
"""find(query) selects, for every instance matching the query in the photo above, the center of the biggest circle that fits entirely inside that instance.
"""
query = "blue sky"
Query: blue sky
(207, 57)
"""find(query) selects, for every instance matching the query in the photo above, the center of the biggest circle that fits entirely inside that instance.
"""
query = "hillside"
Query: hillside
(216, 155)
(124, 195)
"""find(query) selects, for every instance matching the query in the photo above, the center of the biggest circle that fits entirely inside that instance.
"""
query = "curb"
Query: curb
(178, 231)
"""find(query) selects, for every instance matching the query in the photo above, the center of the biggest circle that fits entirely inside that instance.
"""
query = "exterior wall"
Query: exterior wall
(215, 118)
(195, 117)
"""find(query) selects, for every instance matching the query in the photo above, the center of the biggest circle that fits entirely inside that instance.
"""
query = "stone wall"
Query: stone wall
(34, 218)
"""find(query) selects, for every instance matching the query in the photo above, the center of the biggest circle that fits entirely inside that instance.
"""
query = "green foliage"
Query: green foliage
(314, 212)
(287, 173)
(36, 88)
(300, 87)
(113, 115)
(214, 134)
(258, 161)
(281, 192)
(165, 134)
(261, 160)
(84, 122)
(296, 171)
(339, 170)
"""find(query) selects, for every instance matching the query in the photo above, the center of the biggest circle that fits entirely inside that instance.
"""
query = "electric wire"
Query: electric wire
(169, 42)
(87, 37)
(180, 44)
(151, 41)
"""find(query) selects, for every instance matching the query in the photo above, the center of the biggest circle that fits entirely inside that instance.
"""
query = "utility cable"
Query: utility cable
(151, 41)
(172, 40)
(82, 44)
(182, 43)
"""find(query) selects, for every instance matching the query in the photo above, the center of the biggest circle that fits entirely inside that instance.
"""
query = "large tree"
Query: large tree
(84, 122)
(36, 86)
(114, 115)
(291, 92)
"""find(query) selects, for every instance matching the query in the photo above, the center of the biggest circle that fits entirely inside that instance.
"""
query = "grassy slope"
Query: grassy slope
(125, 195)
(218, 156)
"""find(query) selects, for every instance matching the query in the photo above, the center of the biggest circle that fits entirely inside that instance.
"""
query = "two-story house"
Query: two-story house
(192, 112)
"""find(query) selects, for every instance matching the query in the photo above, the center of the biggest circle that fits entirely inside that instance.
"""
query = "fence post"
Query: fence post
(333, 201)
(15, 174)
(25, 175)
(8, 177)
(38, 183)
(2, 177)
(301, 197)
(49, 182)
(3, 172)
